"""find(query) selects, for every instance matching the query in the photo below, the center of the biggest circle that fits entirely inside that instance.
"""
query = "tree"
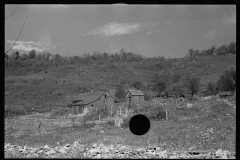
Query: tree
(191, 52)
(232, 48)
(222, 50)
(137, 85)
(176, 78)
(211, 88)
(146, 97)
(120, 92)
(177, 89)
(32, 54)
(212, 50)
(24, 56)
(192, 84)
(16, 57)
(227, 81)
(160, 86)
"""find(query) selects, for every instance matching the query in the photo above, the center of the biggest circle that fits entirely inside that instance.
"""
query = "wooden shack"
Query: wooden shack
(91, 100)
(135, 96)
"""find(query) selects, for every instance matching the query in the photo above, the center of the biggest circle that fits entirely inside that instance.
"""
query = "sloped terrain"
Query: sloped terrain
(56, 86)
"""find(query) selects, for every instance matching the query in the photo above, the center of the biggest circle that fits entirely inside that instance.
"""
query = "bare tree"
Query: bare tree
(192, 84)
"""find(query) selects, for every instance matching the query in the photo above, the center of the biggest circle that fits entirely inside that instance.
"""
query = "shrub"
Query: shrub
(146, 97)
(59, 112)
(190, 112)
(137, 85)
(227, 81)
(120, 93)
(157, 113)
(14, 111)
(126, 121)
(111, 123)
(153, 111)
(134, 107)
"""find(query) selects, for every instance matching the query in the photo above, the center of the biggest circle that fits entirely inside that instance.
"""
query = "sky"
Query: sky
(149, 30)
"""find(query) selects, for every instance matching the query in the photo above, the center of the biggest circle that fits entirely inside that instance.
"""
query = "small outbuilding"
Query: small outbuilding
(91, 100)
(135, 96)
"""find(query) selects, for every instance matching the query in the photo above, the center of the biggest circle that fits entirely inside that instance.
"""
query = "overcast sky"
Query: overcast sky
(157, 30)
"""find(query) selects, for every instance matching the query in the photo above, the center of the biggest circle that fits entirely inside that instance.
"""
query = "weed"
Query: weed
(59, 112)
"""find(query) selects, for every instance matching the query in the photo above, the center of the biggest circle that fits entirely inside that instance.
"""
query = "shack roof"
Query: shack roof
(112, 93)
(88, 98)
(136, 92)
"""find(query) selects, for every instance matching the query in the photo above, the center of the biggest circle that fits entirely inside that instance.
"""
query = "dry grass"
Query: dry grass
(199, 130)
(200, 127)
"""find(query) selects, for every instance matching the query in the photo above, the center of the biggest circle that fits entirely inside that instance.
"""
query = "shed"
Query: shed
(90, 100)
(135, 96)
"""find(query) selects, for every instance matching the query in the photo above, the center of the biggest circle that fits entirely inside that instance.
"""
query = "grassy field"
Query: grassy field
(56, 87)
(207, 125)
(30, 97)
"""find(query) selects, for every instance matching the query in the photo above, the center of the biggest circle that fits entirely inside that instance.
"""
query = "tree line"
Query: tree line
(231, 48)
(168, 84)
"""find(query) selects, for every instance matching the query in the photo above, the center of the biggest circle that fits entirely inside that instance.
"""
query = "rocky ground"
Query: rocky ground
(98, 150)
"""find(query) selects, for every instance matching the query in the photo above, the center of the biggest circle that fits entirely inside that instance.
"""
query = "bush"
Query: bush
(227, 81)
(110, 123)
(60, 112)
(157, 113)
(126, 121)
(153, 111)
(134, 107)
(120, 93)
(190, 112)
(15, 111)
(146, 97)
(137, 85)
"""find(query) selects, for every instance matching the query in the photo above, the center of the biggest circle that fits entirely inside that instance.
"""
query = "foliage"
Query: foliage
(137, 85)
(227, 81)
(146, 96)
(17, 55)
(24, 56)
(221, 50)
(164, 81)
(32, 54)
(59, 112)
(176, 78)
(120, 92)
(126, 121)
(177, 89)
(160, 86)
(133, 106)
(192, 84)
(153, 111)
(14, 111)
(211, 88)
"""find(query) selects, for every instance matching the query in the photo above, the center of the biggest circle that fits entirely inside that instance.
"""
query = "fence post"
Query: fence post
(39, 127)
(166, 115)
(14, 123)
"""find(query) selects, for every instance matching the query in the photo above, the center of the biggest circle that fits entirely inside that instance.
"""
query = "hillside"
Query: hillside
(56, 86)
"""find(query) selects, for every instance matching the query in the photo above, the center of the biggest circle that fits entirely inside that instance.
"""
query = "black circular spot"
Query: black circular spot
(139, 124)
